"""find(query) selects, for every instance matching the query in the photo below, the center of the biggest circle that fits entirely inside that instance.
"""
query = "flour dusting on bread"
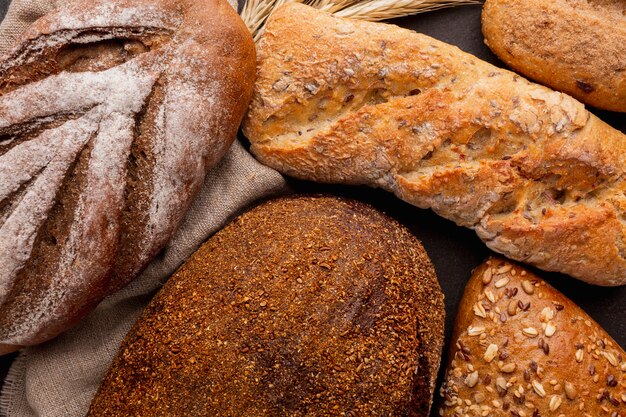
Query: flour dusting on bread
(111, 114)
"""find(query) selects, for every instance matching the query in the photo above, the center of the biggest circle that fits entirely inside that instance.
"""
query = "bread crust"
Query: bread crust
(520, 347)
(111, 114)
(574, 46)
(303, 306)
(538, 177)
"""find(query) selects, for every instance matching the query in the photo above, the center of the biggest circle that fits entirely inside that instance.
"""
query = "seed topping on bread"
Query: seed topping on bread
(522, 349)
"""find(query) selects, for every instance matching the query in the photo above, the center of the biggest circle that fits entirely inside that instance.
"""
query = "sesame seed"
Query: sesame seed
(550, 330)
(555, 402)
(508, 368)
(579, 355)
(538, 388)
(512, 308)
(546, 315)
(479, 310)
(472, 379)
(570, 390)
(528, 287)
(501, 385)
(491, 352)
(487, 275)
(610, 357)
(475, 330)
(530, 332)
(504, 269)
(502, 282)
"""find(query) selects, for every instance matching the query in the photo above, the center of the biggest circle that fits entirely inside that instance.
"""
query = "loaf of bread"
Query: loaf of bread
(575, 46)
(538, 177)
(111, 114)
(520, 348)
(303, 306)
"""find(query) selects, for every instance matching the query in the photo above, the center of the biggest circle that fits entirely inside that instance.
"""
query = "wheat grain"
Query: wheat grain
(256, 12)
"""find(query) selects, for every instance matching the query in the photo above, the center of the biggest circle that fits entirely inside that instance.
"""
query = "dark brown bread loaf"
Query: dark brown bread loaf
(311, 306)
(111, 113)
(520, 348)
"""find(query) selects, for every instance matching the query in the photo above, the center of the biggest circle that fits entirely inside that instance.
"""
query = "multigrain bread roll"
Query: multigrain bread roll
(303, 306)
(538, 177)
(575, 46)
(111, 114)
(521, 348)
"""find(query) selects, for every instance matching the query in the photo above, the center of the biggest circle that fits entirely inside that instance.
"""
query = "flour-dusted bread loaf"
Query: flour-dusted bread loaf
(520, 348)
(111, 113)
(537, 176)
(303, 306)
(575, 46)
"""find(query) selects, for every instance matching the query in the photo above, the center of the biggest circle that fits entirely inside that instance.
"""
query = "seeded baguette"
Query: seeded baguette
(521, 348)
(539, 178)
(303, 306)
(574, 46)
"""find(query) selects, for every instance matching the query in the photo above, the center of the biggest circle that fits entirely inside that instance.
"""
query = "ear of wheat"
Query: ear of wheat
(256, 12)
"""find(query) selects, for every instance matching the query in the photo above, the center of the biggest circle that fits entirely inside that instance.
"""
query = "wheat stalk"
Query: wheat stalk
(256, 12)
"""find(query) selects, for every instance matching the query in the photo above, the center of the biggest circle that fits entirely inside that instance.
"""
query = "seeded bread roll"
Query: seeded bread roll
(303, 306)
(539, 178)
(521, 348)
(111, 114)
(574, 46)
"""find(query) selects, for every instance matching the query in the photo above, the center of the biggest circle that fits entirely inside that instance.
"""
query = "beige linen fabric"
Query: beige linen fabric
(20, 15)
(59, 378)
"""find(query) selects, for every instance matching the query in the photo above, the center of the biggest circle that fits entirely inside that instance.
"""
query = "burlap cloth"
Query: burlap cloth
(60, 377)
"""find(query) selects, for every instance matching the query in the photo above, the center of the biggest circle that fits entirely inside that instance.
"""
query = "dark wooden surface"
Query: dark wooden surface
(455, 251)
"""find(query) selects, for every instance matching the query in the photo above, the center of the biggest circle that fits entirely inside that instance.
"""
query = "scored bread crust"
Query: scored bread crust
(537, 176)
(111, 114)
(574, 46)
(302, 306)
(521, 348)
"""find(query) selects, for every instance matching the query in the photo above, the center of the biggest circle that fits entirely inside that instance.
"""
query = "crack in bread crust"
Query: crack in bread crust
(147, 88)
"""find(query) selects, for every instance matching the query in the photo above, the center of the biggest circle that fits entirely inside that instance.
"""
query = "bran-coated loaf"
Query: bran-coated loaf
(303, 306)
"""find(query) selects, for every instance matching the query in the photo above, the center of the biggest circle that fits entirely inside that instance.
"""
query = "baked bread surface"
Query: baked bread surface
(111, 113)
(521, 348)
(538, 177)
(314, 306)
(574, 46)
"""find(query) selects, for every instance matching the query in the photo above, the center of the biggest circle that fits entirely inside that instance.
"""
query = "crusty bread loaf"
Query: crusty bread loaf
(538, 177)
(303, 306)
(111, 113)
(521, 348)
(575, 46)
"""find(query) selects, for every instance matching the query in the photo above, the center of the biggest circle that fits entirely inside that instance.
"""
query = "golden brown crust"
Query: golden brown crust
(521, 348)
(538, 177)
(111, 114)
(574, 46)
(302, 306)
